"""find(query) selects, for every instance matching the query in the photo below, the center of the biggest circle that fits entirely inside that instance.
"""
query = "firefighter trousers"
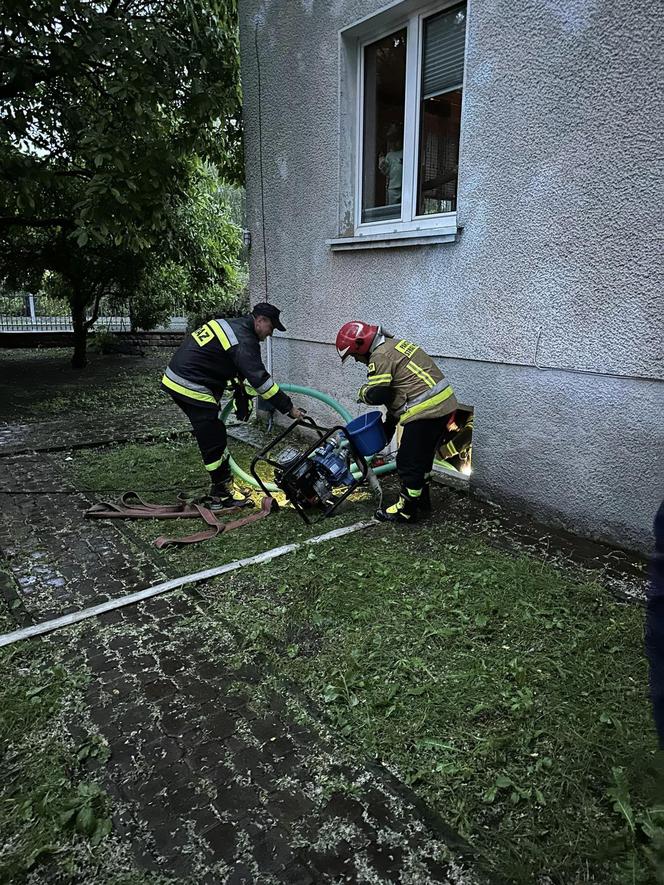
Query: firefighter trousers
(417, 450)
(210, 434)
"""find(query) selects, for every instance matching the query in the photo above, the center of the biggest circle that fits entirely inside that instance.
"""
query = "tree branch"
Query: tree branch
(79, 173)
(95, 309)
(87, 174)
(23, 83)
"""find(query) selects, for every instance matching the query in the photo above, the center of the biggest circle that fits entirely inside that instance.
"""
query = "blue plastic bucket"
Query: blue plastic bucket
(367, 434)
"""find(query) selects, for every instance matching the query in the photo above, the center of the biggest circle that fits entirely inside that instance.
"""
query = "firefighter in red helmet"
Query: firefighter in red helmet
(405, 379)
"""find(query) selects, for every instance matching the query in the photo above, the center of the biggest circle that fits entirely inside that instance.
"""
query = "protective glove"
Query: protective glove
(244, 404)
(389, 426)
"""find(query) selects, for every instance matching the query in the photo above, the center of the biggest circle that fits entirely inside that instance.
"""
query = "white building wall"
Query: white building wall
(547, 313)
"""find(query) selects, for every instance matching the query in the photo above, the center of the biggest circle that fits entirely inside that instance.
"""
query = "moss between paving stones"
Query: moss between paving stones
(54, 815)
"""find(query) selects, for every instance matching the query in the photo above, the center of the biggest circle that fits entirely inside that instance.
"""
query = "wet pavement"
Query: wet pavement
(212, 781)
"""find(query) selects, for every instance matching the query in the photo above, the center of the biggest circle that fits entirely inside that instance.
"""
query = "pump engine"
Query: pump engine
(310, 477)
(311, 480)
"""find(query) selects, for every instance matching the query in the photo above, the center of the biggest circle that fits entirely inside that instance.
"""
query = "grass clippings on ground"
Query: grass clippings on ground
(510, 697)
(509, 694)
(50, 812)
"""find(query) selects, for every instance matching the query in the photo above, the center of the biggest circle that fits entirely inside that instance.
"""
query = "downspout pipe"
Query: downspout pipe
(268, 355)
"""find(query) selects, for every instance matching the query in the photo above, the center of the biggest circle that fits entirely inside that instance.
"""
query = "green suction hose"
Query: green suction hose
(304, 391)
(323, 397)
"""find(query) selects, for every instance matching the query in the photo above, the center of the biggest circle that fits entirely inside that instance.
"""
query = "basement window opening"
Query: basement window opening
(454, 453)
(455, 450)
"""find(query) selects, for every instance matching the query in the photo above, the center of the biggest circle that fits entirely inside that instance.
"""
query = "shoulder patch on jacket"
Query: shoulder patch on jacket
(371, 368)
(407, 348)
(203, 335)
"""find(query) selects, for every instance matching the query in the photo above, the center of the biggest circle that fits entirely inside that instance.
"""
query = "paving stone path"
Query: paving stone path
(62, 562)
(211, 782)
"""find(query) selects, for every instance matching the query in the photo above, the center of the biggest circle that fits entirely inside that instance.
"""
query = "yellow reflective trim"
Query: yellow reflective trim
(221, 335)
(271, 392)
(421, 373)
(407, 348)
(217, 463)
(379, 379)
(427, 404)
(192, 394)
(250, 390)
(203, 335)
(398, 508)
(414, 493)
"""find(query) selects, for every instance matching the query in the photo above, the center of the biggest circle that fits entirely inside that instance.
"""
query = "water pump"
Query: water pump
(317, 478)
(312, 480)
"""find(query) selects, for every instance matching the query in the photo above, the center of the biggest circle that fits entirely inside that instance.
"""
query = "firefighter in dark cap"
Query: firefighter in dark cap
(224, 353)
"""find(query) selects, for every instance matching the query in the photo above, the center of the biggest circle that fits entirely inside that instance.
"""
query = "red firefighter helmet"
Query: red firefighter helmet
(355, 338)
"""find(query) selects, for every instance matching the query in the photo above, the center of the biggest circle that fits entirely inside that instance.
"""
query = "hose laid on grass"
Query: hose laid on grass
(303, 391)
(174, 584)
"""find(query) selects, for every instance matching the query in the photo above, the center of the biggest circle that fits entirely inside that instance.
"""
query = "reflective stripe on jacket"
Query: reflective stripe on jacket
(216, 353)
(417, 386)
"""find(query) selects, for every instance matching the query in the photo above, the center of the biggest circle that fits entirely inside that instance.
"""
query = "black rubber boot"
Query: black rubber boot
(224, 497)
(424, 503)
(403, 511)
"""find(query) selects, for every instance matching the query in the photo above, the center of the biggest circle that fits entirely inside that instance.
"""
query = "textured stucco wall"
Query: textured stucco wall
(560, 195)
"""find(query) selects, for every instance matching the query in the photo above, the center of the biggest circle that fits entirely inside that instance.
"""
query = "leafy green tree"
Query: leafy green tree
(198, 268)
(107, 111)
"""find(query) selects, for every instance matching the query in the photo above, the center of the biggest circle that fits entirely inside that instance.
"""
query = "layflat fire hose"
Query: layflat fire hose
(174, 584)
(324, 398)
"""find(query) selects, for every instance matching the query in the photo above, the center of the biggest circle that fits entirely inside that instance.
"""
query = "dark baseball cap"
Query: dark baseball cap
(271, 312)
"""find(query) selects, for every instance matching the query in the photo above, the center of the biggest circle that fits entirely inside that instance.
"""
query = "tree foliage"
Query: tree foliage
(103, 106)
(109, 112)
(197, 269)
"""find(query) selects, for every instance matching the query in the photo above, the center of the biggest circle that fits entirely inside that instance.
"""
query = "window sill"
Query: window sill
(392, 240)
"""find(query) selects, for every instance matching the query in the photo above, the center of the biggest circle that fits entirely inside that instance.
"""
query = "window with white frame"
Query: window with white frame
(409, 110)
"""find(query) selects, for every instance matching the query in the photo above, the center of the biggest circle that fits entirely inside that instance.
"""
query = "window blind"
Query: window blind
(443, 50)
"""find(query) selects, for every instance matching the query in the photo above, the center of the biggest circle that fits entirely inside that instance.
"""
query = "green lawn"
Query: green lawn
(158, 471)
(511, 695)
(41, 385)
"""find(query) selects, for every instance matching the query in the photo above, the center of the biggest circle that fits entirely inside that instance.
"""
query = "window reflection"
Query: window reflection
(384, 98)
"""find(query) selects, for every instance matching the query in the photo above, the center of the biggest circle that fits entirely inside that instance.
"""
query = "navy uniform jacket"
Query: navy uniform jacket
(212, 356)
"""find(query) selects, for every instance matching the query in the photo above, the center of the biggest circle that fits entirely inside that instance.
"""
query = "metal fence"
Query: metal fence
(40, 313)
